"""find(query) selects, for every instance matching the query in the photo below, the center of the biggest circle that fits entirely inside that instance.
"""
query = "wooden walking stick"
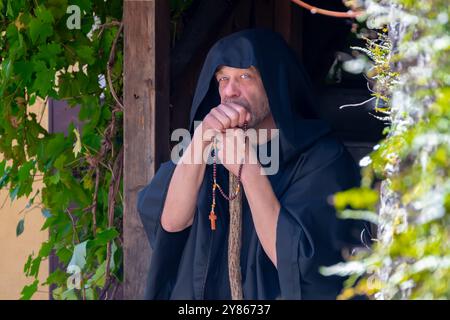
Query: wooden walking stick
(235, 229)
(234, 241)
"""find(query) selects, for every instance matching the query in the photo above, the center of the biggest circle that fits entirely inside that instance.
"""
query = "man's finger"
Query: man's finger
(241, 110)
(211, 122)
(209, 134)
(248, 117)
(232, 113)
(222, 117)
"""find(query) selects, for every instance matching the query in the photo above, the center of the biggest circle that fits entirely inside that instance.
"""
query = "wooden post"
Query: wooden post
(146, 124)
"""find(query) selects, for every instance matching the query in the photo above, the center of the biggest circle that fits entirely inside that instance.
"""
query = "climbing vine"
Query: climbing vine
(72, 51)
(69, 50)
(410, 255)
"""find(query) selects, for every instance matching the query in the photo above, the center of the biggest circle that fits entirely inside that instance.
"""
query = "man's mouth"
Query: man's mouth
(242, 103)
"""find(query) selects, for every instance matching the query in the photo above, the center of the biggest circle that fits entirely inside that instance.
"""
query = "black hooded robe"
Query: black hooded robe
(192, 263)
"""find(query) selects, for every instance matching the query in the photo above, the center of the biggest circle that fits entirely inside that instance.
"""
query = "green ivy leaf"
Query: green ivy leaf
(54, 179)
(91, 294)
(104, 237)
(20, 227)
(6, 68)
(49, 53)
(57, 7)
(44, 15)
(88, 106)
(57, 277)
(25, 70)
(9, 10)
(46, 249)
(98, 279)
(24, 171)
(44, 78)
(27, 266)
(69, 295)
(35, 45)
(32, 99)
(64, 255)
(68, 86)
(35, 265)
(85, 5)
(28, 291)
(2, 167)
(50, 221)
(76, 189)
(56, 293)
(54, 146)
(60, 162)
(86, 54)
(39, 31)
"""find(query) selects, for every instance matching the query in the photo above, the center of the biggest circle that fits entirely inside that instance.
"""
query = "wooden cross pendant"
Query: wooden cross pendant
(213, 219)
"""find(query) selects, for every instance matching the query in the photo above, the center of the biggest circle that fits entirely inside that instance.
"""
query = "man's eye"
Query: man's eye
(221, 79)
(245, 76)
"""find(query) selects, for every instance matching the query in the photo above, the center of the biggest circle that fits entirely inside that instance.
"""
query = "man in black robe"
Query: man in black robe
(289, 227)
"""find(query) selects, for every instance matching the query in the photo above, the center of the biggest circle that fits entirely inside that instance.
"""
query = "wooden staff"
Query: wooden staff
(234, 241)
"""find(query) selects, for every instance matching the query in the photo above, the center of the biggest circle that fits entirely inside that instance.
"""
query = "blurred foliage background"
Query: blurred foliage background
(410, 69)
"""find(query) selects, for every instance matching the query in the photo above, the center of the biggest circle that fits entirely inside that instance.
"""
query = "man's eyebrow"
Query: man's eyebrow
(251, 69)
(219, 70)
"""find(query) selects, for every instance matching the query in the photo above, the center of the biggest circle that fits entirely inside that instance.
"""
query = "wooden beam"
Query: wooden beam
(282, 18)
(146, 124)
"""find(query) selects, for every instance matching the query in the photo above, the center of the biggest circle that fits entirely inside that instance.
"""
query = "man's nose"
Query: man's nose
(232, 89)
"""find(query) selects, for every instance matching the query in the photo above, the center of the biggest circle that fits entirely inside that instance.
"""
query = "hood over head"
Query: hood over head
(287, 85)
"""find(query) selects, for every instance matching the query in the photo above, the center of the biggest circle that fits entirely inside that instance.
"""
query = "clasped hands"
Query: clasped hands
(224, 126)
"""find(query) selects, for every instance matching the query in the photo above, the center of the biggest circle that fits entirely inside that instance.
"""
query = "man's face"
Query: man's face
(244, 87)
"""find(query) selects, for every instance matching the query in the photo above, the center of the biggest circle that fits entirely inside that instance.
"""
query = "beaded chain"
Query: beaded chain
(212, 215)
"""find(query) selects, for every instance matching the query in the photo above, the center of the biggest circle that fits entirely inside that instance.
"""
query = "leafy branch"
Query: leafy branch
(42, 58)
